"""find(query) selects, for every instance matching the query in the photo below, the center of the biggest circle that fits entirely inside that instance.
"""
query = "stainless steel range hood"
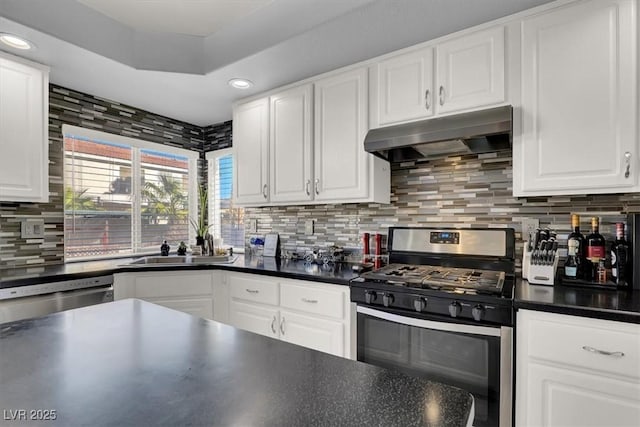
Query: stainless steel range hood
(475, 132)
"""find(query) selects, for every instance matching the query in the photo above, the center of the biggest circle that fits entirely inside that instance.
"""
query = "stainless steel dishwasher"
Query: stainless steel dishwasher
(23, 302)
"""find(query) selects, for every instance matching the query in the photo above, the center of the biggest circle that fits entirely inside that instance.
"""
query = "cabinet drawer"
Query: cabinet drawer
(312, 299)
(577, 341)
(254, 288)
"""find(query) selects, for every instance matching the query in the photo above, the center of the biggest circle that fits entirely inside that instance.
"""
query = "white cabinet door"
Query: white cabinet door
(561, 397)
(579, 91)
(24, 130)
(402, 88)
(260, 319)
(341, 165)
(575, 371)
(312, 332)
(291, 165)
(199, 307)
(470, 71)
(251, 152)
(187, 291)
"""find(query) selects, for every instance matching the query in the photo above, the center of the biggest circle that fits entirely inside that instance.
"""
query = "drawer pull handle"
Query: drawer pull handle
(310, 301)
(273, 323)
(604, 353)
(282, 326)
(252, 291)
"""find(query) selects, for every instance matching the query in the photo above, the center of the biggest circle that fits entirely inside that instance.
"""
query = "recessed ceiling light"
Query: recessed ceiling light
(240, 83)
(14, 41)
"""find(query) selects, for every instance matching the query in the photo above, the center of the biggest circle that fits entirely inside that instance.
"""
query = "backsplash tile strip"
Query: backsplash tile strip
(80, 109)
(457, 191)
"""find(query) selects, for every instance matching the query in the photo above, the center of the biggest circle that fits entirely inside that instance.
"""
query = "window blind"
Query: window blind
(227, 220)
(122, 200)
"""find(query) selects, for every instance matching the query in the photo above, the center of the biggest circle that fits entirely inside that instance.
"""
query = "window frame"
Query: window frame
(212, 169)
(70, 131)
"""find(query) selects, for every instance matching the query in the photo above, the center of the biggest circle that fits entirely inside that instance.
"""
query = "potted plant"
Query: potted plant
(199, 225)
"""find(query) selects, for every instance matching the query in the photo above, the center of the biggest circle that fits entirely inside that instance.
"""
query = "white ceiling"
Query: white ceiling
(185, 76)
(191, 17)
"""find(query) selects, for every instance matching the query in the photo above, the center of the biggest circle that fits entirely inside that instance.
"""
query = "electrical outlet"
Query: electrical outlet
(529, 226)
(253, 226)
(308, 227)
(32, 229)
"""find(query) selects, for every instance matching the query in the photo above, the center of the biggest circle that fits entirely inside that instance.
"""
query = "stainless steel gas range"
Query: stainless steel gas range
(442, 309)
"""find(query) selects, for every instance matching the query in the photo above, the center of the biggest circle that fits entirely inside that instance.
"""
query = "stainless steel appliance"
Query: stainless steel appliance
(23, 302)
(473, 132)
(442, 309)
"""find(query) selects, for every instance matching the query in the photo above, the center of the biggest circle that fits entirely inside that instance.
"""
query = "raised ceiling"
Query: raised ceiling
(107, 48)
(190, 17)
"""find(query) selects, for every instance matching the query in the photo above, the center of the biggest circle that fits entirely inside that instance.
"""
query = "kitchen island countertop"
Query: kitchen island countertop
(136, 363)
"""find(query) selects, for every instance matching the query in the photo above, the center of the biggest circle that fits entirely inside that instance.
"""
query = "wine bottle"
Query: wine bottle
(595, 244)
(576, 252)
(619, 257)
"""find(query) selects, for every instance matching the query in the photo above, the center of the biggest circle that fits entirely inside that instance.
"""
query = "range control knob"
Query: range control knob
(454, 309)
(420, 304)
(387, 299)
(370, 296)
(477, 312)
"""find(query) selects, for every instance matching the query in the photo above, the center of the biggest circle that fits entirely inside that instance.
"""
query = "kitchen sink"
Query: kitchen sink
(151, 261)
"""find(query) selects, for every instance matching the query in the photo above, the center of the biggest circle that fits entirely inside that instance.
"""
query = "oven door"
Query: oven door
(471, 357)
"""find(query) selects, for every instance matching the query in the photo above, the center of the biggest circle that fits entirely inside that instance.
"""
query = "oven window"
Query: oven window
(467, 361)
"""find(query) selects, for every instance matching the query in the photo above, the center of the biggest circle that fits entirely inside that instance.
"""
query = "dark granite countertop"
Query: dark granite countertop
(339, 273)
(580, 301)
(134, 363)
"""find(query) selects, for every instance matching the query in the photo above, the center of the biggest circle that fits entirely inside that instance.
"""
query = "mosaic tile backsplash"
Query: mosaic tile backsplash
(79, 109)
(460, 191)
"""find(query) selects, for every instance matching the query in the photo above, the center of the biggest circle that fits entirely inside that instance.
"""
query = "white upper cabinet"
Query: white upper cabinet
(24, 143)
(340, 163)
(470, 71)
(579, 110)
(251, 152)
(310, 139)
(403, 88)
(290, 147)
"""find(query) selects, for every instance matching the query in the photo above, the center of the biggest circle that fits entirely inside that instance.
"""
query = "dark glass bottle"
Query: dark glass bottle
(576, 251)
(619, 257)
(595, 244)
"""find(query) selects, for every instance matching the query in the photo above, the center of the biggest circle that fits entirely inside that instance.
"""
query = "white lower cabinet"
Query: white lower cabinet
(574, 371)
(256, 318)
(309, 314)
(191, 292)
(312, 332)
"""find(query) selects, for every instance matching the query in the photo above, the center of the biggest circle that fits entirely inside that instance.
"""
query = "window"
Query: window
(124, 196)
(227, 221)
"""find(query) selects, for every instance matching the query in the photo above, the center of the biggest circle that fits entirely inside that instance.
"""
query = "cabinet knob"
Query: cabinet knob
(427, 99)
(441, 93)
(627, 159)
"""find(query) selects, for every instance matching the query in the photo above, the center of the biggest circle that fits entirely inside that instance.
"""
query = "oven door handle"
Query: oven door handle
(430, 324)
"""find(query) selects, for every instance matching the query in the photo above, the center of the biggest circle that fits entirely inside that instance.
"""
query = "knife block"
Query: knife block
(542, 274)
